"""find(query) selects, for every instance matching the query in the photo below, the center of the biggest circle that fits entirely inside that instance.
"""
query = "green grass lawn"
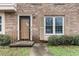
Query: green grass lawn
(7, 51)
(64, 50)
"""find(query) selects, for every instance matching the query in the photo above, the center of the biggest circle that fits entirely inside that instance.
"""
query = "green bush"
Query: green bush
(4, 40)
(76, 40)
(63, 40)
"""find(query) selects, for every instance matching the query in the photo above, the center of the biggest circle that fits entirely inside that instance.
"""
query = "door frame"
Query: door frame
(18, 27)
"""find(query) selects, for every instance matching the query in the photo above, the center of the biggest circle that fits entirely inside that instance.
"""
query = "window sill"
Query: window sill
(54, 34)
(1, 32)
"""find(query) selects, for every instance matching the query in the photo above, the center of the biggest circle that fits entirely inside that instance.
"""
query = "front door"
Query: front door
(24, 27)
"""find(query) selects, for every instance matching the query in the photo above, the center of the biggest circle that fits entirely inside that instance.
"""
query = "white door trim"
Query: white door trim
(30, 25)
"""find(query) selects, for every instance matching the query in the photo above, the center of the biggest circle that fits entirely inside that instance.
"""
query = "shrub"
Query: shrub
(76, 40)
(63, 40)
(4, 40)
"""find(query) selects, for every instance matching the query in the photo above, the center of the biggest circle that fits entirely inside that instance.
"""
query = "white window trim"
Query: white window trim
(3, 23)
(53, 26)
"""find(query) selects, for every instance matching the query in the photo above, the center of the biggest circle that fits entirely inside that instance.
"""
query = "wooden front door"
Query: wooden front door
(24, 27)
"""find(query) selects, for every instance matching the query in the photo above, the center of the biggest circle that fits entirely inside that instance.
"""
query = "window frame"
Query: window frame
(2, 24)
(53, 26)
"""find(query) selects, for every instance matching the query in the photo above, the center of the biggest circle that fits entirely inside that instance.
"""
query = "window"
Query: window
(58, 25)
(54, 25)
(2, 27)
(49, 25)
(0, 23)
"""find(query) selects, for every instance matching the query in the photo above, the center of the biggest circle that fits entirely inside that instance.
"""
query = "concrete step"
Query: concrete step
(22, 44)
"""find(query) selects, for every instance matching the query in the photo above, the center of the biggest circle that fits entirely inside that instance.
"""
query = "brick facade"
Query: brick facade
(38, 11)
(11, 24)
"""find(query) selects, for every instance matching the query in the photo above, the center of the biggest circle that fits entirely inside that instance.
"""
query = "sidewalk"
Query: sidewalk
(39, 49)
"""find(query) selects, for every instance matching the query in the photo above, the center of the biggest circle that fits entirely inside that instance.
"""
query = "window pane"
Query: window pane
(49, 24)
(58, 29)
(0, 28)
(58, 21)
(49, 21)
(58, 25)
(49, 29)
(0, 19)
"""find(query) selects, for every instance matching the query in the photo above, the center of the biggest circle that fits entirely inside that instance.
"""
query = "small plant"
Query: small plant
(63, 40)
(4, 40)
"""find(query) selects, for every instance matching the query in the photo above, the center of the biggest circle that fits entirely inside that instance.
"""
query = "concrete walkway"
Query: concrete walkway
(39, 49)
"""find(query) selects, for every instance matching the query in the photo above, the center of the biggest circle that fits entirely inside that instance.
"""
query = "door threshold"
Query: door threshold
(24, 40)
